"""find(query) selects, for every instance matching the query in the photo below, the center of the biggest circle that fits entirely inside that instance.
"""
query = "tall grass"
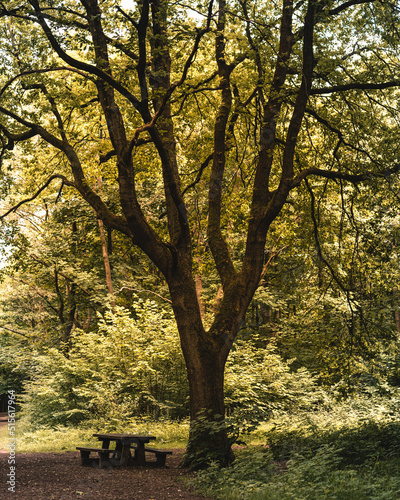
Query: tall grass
(4, 437)
(60, 439)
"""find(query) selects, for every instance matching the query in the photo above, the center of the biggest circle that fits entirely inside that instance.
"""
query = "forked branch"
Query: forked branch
(34, 196)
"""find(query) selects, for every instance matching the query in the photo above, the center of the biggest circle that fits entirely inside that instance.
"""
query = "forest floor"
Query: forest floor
(60, 476)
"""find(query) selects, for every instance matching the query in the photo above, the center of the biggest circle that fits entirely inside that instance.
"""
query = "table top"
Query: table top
(118, 437)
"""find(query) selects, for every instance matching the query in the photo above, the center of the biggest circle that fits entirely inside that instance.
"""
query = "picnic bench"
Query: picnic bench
(101, 459)
(121, 455)
(161, 455)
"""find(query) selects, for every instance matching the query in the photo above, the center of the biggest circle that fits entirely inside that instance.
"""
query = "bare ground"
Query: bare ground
(54, 476)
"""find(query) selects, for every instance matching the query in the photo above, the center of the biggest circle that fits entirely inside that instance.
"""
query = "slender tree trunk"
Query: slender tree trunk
(71, 320)
(106, 260)
(218, 299)
(106, 250)
(88, 320)
(199, 290)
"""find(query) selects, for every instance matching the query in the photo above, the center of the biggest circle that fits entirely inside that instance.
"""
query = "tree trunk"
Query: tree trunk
(208, 436)
(106, 260)
(205, 354)
(205, 358)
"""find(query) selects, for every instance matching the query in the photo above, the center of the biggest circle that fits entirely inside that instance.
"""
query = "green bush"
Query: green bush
(127, 367)
(258, 382)
(351, 452)
(363, 429)
(132, 367)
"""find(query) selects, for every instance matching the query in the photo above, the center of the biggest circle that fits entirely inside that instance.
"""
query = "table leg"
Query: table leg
(125, 454)
(106, 443)
(117, 452)
(140, 454)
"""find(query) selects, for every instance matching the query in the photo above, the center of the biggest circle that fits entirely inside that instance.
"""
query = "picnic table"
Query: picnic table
(121, 454)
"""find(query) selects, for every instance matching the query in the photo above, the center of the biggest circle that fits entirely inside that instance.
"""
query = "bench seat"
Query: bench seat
(103, 454)
(161, 455)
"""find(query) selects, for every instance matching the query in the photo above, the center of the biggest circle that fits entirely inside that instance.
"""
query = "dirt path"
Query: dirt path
(53, 476)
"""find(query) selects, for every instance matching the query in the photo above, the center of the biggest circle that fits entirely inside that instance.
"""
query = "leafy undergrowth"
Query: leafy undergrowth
(349, 453)
(255, 476)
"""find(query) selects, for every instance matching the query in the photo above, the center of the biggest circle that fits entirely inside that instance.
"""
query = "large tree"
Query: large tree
(228, 106)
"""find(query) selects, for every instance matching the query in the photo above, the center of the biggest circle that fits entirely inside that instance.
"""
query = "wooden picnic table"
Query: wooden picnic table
(121, 455)
(123, 444)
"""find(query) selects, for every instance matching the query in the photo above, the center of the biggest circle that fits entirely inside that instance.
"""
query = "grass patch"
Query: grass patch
(60, 439)
(4, 437)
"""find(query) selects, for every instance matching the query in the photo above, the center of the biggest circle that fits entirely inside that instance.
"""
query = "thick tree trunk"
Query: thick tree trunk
(208, 437)
(205, 360)
(205, 355)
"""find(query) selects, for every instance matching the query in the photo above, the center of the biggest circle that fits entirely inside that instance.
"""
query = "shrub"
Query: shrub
(129, 366)
(258, 382)
(349, 453)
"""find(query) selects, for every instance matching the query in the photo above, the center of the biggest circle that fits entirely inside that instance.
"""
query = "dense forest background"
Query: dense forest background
(87, 327)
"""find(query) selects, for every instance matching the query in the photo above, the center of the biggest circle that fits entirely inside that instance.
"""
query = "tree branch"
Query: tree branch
(13, 138)
(80, 183)
(302, 97)
(217, 242)
(317, 242)
(148, 291)
(353, 178)
(94, 70)
(14, 331)
(37, 71)
(262, 196)
(68, 278)
(45, 185)
(339, 133)
(203, 166)
(355, 86)
(346, 5)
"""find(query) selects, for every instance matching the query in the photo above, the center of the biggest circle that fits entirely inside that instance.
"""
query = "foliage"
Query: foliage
(15, 366)
(258, 382)
(350, 452)
(335, 319)
(54, 280)
(129, 366)
(363, 429)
